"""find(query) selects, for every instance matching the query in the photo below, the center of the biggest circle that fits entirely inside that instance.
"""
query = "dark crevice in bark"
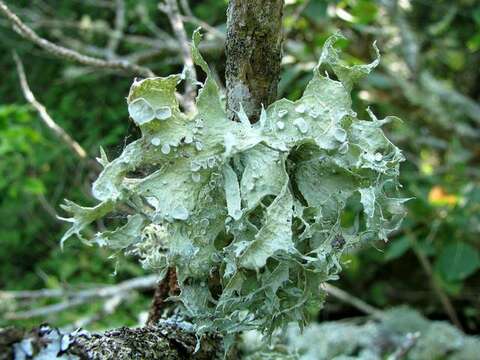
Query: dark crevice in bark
(166, 287)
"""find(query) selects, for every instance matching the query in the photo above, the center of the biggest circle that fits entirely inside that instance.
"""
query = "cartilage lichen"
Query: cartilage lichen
(254, 209)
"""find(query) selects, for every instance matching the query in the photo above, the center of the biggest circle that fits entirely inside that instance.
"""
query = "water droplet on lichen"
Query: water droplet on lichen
(300, 109)
(155, 141)
(378, 156)
(163, 113)
(195, 166)
(199, 123)
(301, 124)
(196, 177)
(340, 134)
(280, 125)
(282, 113)
(237, 214)
(188, 139)
(211, 162)
(314, 113)
(180, 213)
(343, 149)
(199, 146)
(166, 149)
(141, 111)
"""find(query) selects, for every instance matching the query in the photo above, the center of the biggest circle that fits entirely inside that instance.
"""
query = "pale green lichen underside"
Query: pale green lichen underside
(249, 215)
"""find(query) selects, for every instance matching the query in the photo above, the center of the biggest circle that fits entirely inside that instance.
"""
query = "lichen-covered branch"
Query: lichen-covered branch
(249, 215)
(168, 341)
(253, 49)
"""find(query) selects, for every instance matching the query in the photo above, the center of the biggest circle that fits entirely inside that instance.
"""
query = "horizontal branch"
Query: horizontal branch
(74, 298)
(169, 340)
(352, 300)
(69, 54)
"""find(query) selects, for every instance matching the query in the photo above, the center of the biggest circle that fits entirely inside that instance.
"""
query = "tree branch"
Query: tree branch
(170, 8)
(352, 300)
(169, 340)
(74, 298)
(69, 54)
(42, 111)
(117, 34)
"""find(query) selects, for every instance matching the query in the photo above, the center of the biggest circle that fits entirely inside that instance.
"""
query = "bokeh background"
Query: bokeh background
(429, 77)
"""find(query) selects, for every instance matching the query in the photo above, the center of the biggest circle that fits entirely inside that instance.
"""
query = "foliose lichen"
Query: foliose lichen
(252, 217)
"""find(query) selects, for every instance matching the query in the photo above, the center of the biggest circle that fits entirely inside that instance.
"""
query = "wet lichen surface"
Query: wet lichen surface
(252, 217)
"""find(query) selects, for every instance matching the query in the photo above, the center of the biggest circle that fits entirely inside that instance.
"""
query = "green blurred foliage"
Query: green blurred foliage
(429, 77)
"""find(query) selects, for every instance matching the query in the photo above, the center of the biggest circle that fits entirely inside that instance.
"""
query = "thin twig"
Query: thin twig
(196, 21)
(186, 7)
(409, 342)
(117, 34)
(69, 54)
(108, 308)
(170, 8)
(98, 3)
(296, 16)
(45, 310)
(442, 296)
(352, 300)
(42, 111)
(49, 209)
(74, 298)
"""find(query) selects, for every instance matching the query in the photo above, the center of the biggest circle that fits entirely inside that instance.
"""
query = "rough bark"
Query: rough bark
(253, 49)
(165, 341)
(165, 288)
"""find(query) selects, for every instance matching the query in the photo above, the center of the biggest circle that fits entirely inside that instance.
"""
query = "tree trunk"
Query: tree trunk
(253, 49)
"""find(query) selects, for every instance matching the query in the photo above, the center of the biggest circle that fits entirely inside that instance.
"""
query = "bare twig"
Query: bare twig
(117, 34)
(196, 21)
(46, 118)
(74, 298)
(45, 310)
(108, 308)
(69, 54)
(409, 342)
(442, 296)
(186, 7)
(98, 3)
(352, 300)
(170, 8)
(50, 210)
(296, 16)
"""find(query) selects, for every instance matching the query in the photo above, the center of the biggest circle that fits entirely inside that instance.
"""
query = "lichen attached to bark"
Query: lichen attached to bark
(252, 217)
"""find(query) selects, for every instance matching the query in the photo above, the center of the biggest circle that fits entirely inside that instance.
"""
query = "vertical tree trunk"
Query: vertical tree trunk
(253, 49)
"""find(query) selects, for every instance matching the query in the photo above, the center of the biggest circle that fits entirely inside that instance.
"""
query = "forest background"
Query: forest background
(429, 77)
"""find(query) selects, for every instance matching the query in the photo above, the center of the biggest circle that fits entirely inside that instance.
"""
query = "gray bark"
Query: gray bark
(164, 341)
(253, 49)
